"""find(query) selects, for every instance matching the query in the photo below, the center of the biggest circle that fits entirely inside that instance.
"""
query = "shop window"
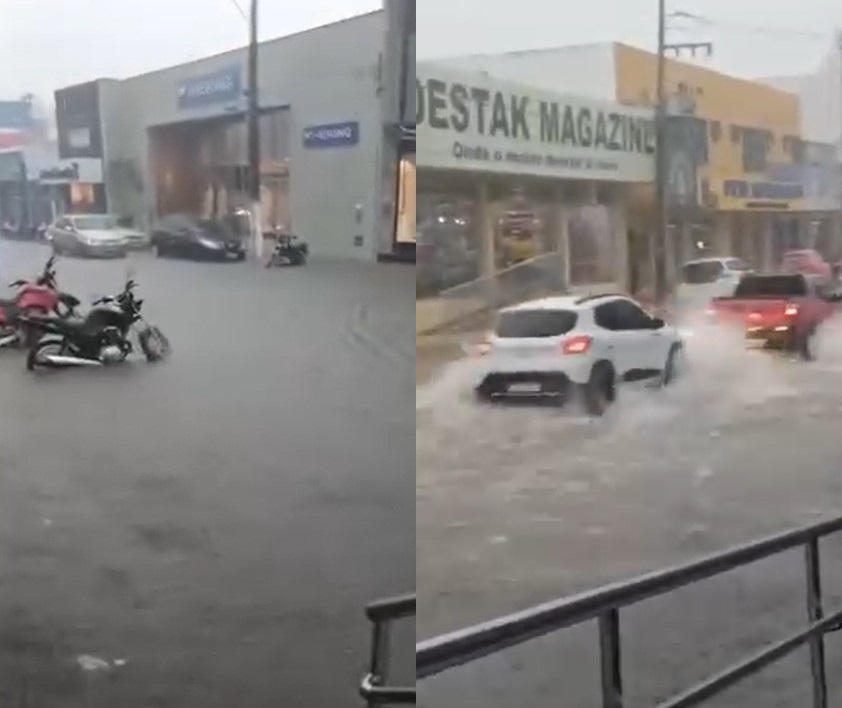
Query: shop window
(591, 246)
(82, 197)
(755, 149)
(448, 248)
(520, 230)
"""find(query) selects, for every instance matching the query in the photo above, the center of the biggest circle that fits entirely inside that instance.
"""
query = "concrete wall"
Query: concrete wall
(586, 70)
(325, 75)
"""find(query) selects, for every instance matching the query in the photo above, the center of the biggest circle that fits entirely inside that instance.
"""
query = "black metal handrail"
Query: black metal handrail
(433, 656)
(375, 688)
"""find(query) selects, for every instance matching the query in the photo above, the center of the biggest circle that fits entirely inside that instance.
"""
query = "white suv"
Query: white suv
(548, 348)
(706, 278)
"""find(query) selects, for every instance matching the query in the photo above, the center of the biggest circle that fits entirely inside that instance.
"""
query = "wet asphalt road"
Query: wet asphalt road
(217, 521)
(517, 506)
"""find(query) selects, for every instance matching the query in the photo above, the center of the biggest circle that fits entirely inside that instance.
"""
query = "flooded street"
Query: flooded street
(520, 505)
(215, 522)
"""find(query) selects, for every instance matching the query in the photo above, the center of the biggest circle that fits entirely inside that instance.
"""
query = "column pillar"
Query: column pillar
(486, 225)
(619, 227)
(488, 290)
(805, 231)
(766, 236)
(722, 240)
(835, 238)
(561, 236)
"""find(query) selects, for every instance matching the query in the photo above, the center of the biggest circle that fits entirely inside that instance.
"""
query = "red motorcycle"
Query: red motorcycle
(34, 298)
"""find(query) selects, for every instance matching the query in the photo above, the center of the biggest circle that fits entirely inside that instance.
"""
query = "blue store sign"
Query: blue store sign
(224, 86)
(332, 135)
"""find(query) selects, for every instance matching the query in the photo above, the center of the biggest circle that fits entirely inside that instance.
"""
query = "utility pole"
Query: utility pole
(254, 140)
(657, 239)
(836, 237)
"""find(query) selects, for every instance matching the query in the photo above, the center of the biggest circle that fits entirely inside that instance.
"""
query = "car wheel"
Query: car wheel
(600, 390)
(673, 365)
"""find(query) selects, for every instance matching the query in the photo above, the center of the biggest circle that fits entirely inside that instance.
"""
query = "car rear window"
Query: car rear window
(772, 286)
(519, 324)
(701, 272)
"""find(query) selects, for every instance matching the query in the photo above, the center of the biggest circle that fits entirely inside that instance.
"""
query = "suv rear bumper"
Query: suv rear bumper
(530, 385)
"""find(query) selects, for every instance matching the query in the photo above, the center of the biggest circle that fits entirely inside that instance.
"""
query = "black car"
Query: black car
(183, 236)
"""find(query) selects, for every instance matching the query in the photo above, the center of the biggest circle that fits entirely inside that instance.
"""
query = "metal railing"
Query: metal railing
(375, 686)
(439, 654)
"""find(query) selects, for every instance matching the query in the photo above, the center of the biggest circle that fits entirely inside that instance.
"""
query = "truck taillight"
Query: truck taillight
(790, 309)
(576, 345)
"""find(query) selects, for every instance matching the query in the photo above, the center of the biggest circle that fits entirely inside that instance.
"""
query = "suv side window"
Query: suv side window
(630, 316)
(605, 316)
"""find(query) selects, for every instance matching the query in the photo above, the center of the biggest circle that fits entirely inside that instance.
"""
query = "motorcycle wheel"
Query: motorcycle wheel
(154, 344)
(29, 336)
(41, 348)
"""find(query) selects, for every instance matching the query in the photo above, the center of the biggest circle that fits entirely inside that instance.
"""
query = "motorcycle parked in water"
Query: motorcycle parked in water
(38, 298)
(289, 250)
(102, 337)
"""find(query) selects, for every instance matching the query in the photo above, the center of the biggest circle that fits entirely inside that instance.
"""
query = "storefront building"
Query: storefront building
(175, 140)
(521, 190)
(742, 180)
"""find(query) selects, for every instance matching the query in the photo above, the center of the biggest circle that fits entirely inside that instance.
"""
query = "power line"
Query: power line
(745, 27)
(240, 9)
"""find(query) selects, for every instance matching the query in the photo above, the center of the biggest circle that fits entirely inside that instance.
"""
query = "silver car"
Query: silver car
(87, 235)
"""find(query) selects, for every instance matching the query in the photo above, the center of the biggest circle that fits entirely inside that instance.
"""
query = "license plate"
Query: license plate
(526, 387)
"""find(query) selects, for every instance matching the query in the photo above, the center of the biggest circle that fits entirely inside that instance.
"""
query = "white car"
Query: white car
(703, 279)
(551, 348)
(91, 235)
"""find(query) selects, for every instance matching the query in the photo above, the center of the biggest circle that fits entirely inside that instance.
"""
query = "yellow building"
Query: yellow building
(746, 156)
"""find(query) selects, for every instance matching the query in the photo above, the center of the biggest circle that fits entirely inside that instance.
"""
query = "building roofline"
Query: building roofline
(593, 45)
(235, 50)
(520, 52)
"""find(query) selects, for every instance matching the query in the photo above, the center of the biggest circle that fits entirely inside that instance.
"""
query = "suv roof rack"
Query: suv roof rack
(587, 298)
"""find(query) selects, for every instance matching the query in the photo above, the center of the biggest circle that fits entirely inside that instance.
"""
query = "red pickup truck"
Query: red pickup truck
(782, 311)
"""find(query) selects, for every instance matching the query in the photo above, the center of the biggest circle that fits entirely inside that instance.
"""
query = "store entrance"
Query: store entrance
(406, 223)
(199, 168)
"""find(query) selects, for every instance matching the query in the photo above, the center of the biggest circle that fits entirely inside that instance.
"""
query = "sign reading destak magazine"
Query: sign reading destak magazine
(473, 122)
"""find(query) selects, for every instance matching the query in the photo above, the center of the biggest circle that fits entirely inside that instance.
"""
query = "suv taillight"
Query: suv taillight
(790, 309)
(580, 344)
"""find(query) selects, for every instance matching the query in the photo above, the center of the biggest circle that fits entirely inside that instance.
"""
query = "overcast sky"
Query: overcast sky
(46, 44)
(751, 37)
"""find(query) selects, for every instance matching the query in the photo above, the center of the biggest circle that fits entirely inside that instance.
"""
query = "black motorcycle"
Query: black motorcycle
(289, 250)
(102, 337)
